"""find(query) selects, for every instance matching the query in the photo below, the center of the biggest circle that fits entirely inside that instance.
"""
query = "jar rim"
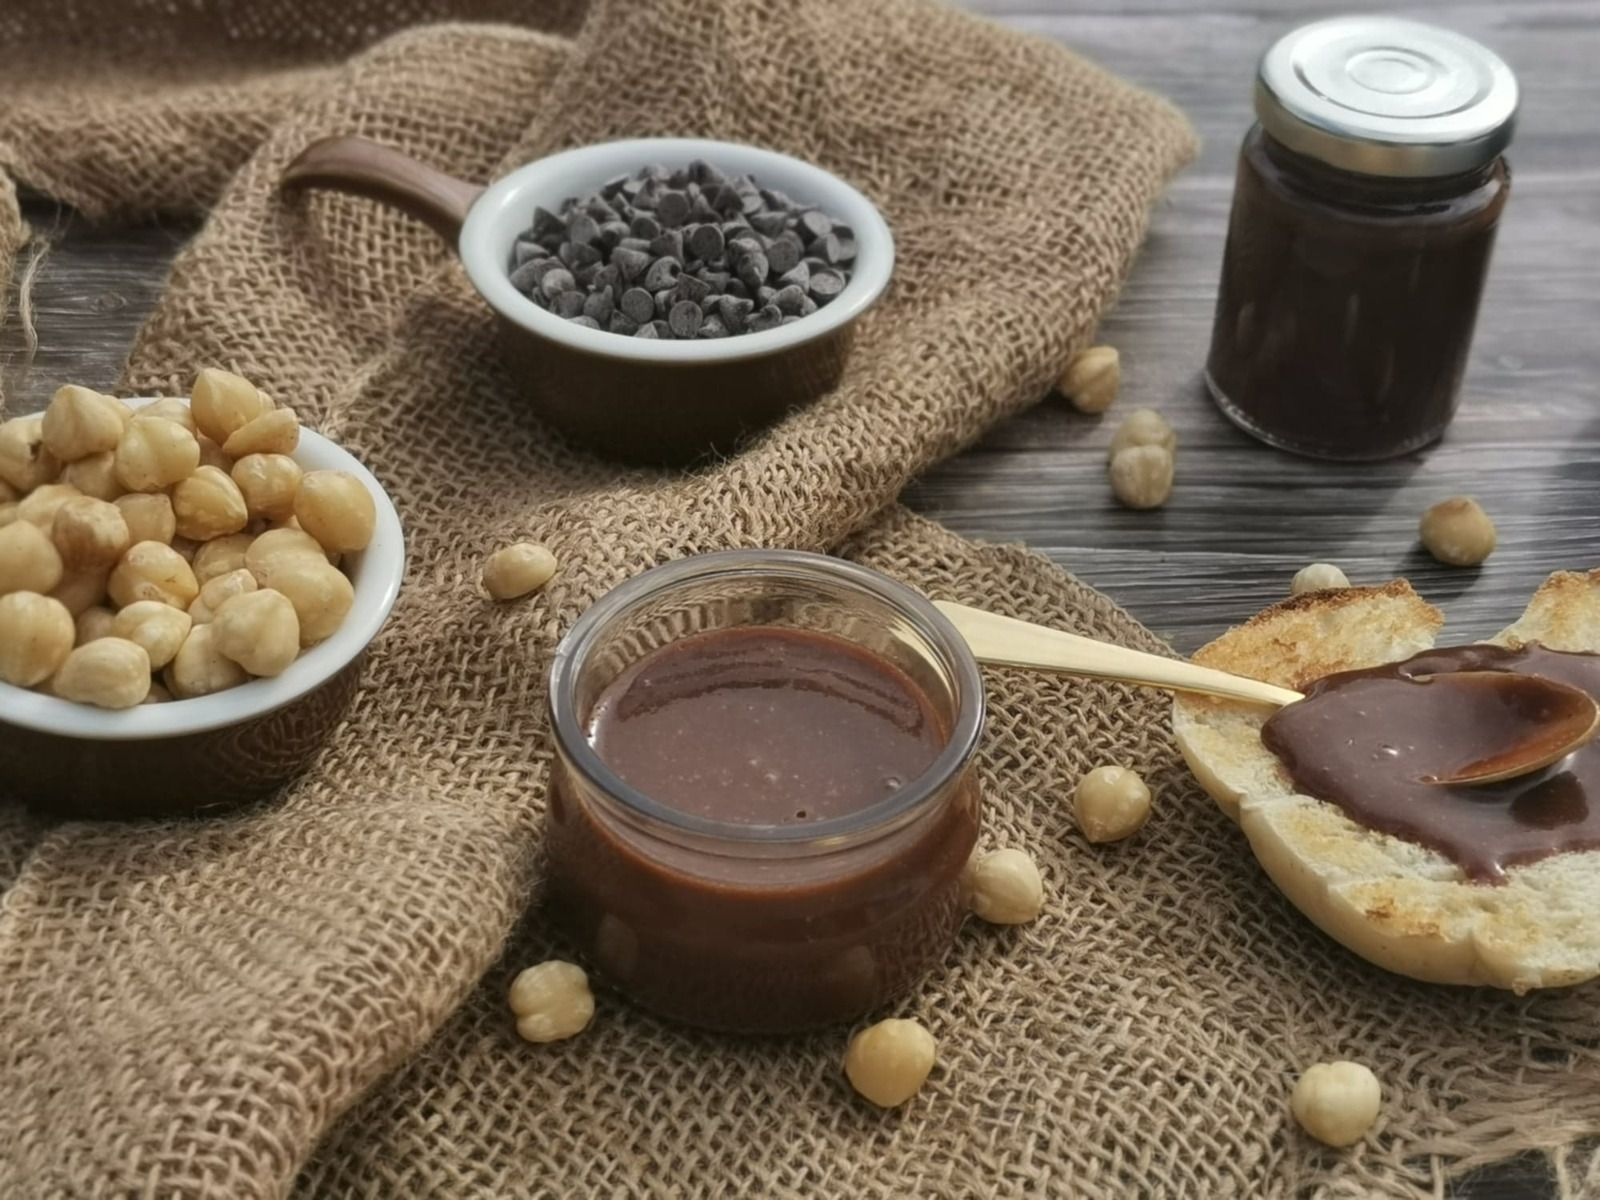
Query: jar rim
(885, 815)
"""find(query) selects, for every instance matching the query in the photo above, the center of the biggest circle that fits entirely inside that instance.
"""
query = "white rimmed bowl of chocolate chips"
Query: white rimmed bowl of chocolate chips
(659, 298)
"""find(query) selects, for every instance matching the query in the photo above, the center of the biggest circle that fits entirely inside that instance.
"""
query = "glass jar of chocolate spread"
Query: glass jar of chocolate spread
(763, 793)
(1364, 212)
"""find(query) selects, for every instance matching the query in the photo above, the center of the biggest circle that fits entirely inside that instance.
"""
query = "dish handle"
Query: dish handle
(362, 167)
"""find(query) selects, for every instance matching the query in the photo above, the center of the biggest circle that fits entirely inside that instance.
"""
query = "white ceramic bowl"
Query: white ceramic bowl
(288, 714)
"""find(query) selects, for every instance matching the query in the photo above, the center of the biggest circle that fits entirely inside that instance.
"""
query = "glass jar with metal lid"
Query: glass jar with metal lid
(1365, 209)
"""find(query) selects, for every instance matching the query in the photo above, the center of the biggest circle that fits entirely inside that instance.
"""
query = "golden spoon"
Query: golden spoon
(1006, 642)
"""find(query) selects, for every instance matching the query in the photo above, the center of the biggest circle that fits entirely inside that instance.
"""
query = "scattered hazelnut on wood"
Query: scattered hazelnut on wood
(889, 1062)
(1143, 427)
(1336, 1102)
(552, 1001)
(1111, 803)
(1141, 476)
(1004, 887)
(516, 570)
(1318, 577)
(1457, 531)
(1092, 378)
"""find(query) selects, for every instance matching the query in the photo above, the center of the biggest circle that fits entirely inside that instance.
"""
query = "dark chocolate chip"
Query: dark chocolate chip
(765, 295)
(690, 288)
(629, 263)
(523, 251)
(584, 276)
(736, 287)
(583, 228)
(663, 330)
(643, 246)
(799, 275)
(639, 304)
(825, 285)
(613, 185)
(546, 223)
(788, 300)
(776, 199)
(784, 252)
(807, 306)
(814, 224)
(578, 254)
(847, 248)
(829, 248)
(712, 327)
(620, 323)
(599, 305)
(733, 312)
(668, 245)
(701, 212)
(608, 276)
(663, 273)
(770, 223)
(752, 267)
(706, 241)
(645, 331)
(556, 280)
(602, 212)
(685, 318)
(716, 281)
(704, 173)
(612, 232)
(526, 277)
(679, 177)
(586, 322)
(767, 318)
(672, 209)
(664, 300)
(644, 226)
(789, 320)
(567, 304)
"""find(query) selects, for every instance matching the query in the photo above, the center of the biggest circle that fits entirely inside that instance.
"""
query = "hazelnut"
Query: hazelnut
(1004, 887)
(29, 561)
(889, 1062)
(109, 672)
(1141, 476)
(221, 556)
(80, 421)
(335, 508)
(158, 694)
(1143, 427)
(275, 432)
(552, 1001)
(1092, 378)
(159, 628)
(208, 505)
(25, 461)
(1111, 803)
(268, 483)
(96, 621)
(1318, 577)
(152, 571)
(149, 517)
(200, 668)
(217, 591)
(516, 570)
(39, 505)
(8, 513)
(171, 408)
(277, 548)
(8, 494)
(89, 533)
(94, 475)
(319, 591)
(154, 454)
(1336, 1102)
(258, 630)
(1457, 531)
(82, 588)
(223, 402)
(36, 635)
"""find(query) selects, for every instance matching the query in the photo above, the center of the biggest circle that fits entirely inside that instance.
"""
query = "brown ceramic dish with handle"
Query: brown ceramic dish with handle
(212, 752)
(637, 399)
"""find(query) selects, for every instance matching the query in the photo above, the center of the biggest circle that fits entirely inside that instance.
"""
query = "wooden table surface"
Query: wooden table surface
(1243, 518)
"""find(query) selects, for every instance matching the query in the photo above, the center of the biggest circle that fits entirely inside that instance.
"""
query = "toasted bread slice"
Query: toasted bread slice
(1400, 905)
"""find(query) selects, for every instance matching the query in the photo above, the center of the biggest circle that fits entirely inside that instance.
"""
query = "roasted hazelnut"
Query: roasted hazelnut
(1457, 531)
(221, 556)
(1317, 577)
(149, 517)
(1141, 476)
(208, 505)
(80, 421)
(889, 1062)
(319, 591)
(25, 461)
(335, 508)
(1092, 378)
(200, 668)
(36, 635)
(159, 628)
(274, 432)
(277, 548)
(154, 454)
(259, 630)
(223, 402)
(1111, 803)
(152, 571)
(516, 570)
(96, 621)
(109, 672)
(552, 1001)
(1143, 427)
(40, 505)
(29, 561)
(217, 591)
(1005, 887)
(1336, 1102)
(89, 533)
(94, 475)
(268, 483)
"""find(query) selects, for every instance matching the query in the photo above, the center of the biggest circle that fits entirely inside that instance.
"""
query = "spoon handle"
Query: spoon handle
(1003, 641)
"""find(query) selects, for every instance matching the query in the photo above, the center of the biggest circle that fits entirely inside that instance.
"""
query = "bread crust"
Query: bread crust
(1398, 904)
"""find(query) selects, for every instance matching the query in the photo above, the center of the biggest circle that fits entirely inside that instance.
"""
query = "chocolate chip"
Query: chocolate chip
(555, 281)
(526, 277)
(645, 331)
(613, 185)
(788, 300)
(799, 275)
(664, 300)
(712, 327)
(599, 305)
(668, 245)
(767, 318)
(704, 173)
(751, 266)
(733, 312)
(583, 228)
(814, 224)
(690, 288)
(736, 287)
(679, 177)
(567, 304)
(807, 306)
(629, 263)
(784, 252)
(770, 223)
(663, 273)
(789, 320)
(776, 199)
(586, 322)
(644, 226)
(663, 330)
(523, 251)
(608, 277)
(716, 281)
(847, 248)
(765, 295)
(825, 285)
(546, 223)
(584, 276)
(685, 318)
(700, 211)
(706, 241)
(638, 304)
(640, 244)
(612, 232)
(600, 210)
(672, 209)
(830, 248)
(622, 324)
(578, 254)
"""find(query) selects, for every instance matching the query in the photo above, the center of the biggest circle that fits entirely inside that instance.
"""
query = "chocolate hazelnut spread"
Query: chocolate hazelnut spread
(1370, 740)
(745, 731)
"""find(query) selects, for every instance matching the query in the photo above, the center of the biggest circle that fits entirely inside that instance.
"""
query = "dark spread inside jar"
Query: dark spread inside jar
(752, 732)
(1369, 740)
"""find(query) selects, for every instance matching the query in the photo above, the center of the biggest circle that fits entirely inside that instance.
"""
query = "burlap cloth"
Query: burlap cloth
(308, 998)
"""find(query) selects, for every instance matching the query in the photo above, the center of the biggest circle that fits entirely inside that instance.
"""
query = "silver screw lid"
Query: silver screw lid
(1384, 96)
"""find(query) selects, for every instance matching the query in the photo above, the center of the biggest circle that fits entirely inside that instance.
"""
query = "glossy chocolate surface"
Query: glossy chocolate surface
(1370, 740)
(1347, 302)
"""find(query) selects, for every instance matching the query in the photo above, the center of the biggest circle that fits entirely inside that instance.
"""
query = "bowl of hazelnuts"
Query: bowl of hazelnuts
(187, 592)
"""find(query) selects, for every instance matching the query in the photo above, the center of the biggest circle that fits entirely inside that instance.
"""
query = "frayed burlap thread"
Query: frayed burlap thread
(308, 997)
